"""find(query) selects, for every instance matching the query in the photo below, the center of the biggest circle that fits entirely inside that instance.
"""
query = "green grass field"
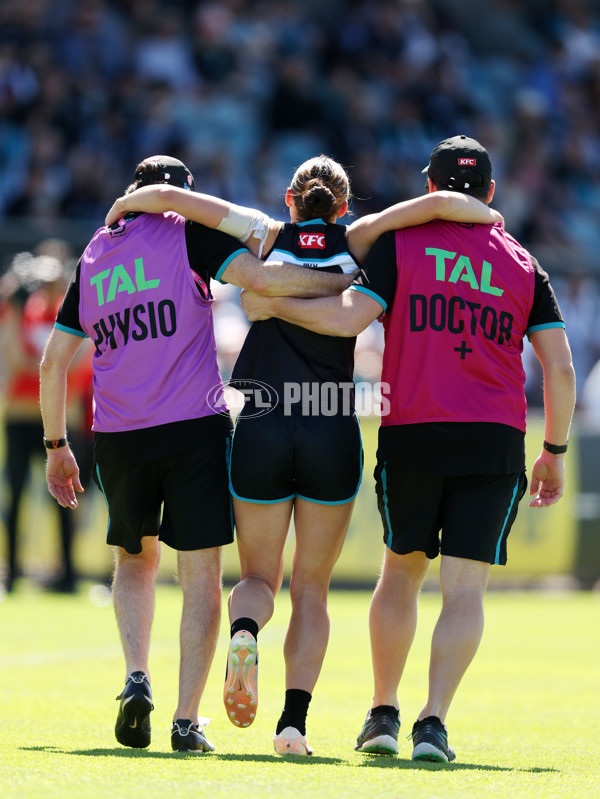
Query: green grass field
(525, 722)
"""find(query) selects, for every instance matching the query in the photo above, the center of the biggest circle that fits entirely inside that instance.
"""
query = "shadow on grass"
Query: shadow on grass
(301, 761)
(408, 765)
(382, 761)
(145, 753)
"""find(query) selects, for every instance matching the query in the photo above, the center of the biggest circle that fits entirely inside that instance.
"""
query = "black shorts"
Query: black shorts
(277, 457)
(474, 513)
(191, 487)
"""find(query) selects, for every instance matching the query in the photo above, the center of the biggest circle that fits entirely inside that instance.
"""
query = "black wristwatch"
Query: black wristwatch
(556, 449)
(55, 443)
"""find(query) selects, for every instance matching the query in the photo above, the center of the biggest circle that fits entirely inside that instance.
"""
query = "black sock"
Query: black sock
(244, 624)
(294, 710)
(385, 709)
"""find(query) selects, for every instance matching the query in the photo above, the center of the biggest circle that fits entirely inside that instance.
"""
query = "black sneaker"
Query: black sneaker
(430, 741)
(379, 735)
(133, 720)
(188, 737)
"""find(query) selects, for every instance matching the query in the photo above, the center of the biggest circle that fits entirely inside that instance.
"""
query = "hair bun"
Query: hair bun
(318, 200)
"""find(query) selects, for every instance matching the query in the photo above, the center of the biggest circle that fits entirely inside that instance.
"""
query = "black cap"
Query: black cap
(164, 169)
(459, 163)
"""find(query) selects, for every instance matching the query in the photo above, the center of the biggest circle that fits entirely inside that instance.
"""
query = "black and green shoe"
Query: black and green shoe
(430, 741)
(379, 735)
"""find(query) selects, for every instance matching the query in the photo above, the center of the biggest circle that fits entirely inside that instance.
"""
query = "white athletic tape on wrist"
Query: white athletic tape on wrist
(241, 223)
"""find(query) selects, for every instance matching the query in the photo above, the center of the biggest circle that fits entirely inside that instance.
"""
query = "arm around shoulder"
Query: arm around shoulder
(159, 198)
(346, 315)
(450, 205)
(279, 279)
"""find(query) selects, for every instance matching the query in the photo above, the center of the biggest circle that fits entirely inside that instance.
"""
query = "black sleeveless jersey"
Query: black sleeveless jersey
(276, 352)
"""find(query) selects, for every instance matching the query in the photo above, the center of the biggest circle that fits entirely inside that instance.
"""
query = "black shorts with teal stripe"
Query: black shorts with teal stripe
(280, 456)
(464, 516)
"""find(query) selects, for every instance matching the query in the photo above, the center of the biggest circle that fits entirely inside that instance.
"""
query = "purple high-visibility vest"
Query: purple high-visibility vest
(155, 360)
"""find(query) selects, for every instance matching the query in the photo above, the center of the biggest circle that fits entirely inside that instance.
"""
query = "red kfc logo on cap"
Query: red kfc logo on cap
(467, 162)
(312, 240)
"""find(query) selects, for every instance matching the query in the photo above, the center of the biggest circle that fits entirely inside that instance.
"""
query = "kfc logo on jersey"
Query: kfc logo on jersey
(312, 240)
(467, 162)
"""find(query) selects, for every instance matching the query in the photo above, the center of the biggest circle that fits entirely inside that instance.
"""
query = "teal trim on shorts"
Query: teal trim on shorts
(70, 330)
(370, 293)
(510, 507)
(259, 501)
(388, 521)
(104, 495)
(226, 263)
(324, 502)
(548, 326)
(228, 465)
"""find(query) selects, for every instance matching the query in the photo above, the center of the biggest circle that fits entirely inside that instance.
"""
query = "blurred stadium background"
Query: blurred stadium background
(245, 90)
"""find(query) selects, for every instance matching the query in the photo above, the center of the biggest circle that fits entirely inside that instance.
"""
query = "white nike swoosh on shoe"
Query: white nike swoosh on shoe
(129, 698)
(134, 725)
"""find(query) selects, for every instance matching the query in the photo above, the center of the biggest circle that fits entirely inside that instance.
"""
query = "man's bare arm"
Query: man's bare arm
(279, 279)
(450, 205)
(346, 315)
(250, 226)
(62, 472)
(548, 474)
(159, 198)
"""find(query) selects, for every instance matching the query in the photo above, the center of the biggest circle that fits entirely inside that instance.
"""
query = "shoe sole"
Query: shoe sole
(186, 750)
(294, 747)
(430, 753)
(295, 752)
(240, 694)
(382, 745)
(135, 715)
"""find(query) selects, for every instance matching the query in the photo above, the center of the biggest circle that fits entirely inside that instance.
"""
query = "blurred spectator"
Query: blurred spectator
(32, 290)
(163, 54)
(580, 306)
